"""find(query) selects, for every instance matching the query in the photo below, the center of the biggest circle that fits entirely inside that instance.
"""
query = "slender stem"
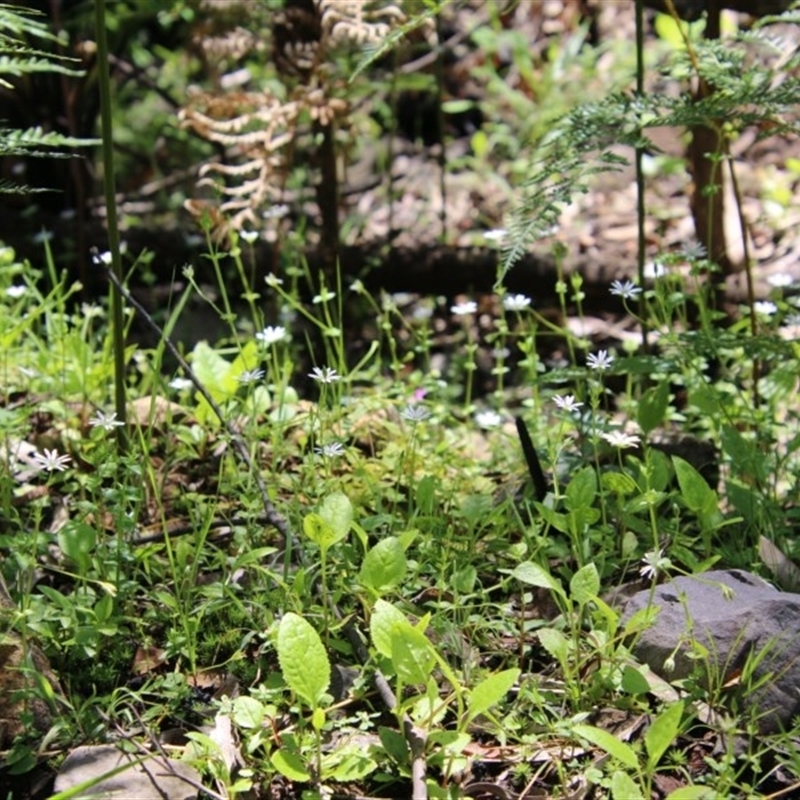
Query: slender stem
(640, 188)
(111, 215)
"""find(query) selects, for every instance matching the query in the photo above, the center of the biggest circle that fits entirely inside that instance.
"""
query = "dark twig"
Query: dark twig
(415, 738)
(271, 514)
(540, 484)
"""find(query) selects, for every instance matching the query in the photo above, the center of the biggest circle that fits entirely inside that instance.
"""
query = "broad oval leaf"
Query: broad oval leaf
(318, 530)
(337, 511)
(412, 653)
(384, 566)
(302, 658)
(290, 765)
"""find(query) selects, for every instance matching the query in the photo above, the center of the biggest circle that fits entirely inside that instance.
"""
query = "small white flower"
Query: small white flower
(601, 360)
(249, 236)
(188, 272)
(567, 402)
(91, 311)
(277, 211)
(463, 309)
(357, 286)
(695, 251)
(273, 280)
(654, 270)
(251, 376)
(621, 439)
(765, 307)
(495, 234)
(17, 291)
(180, 384)
(625, 290)
(43, 236)
(414, 413)
(780, 280)
(516, 302)
(105, 421)
(103, 258)
(323, 297)
(272, 334)
(792, 321)
(51, 460)
(488, 419)
(331, 450)
(653, 563)
(324, 375)
(500, 353)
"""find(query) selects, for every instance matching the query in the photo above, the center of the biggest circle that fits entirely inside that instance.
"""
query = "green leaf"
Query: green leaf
(302, 658)
(214, 372)
(248, 712)
(384, 617)
(581, 490)
(585, 584)
(653, 407)
(618, 483)
(555, 643)
(633, 682)
(609, 743)
(491, 691)
(695, 491)
(662, 733)
(623, 787)
(318, 530)
(350, 767)
(745, 456)
(290, 765)
(534, 575)
(395, 744)
(77, 540)
(384, 566)
(694, 793)
(412, 653)
(337, 511)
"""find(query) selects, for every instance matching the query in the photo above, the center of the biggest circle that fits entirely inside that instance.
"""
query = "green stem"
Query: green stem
(111, 215)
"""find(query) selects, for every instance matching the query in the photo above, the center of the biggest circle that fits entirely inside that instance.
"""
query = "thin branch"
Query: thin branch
(272, 515)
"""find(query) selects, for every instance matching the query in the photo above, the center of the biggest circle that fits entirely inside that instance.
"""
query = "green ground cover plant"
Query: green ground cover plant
(344, 565)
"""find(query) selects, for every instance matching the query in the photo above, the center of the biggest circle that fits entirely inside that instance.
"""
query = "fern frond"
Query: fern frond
(374, 51)
(11, 187)
(25, 62)
(17, 142)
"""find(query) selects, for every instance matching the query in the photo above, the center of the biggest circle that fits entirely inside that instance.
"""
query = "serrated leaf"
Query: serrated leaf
(491, 691)
(609, 743)
(384, 617)
(302, 658)
(290, 765)
(384, 566)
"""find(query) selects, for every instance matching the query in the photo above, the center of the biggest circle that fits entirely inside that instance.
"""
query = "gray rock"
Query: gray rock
(735, 615)
(117, 776)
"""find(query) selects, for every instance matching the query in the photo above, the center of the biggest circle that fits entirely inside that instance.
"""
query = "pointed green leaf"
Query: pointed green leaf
(608, 742)
(384, 617)
(653, 407)
(384, 566)
(555, 643)
(491, 691)
(302, 658)
(318, 530)
(412, 653)
(535, 575)
(585, 584)
(581, 490)
(662, 732)
(696, 493)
